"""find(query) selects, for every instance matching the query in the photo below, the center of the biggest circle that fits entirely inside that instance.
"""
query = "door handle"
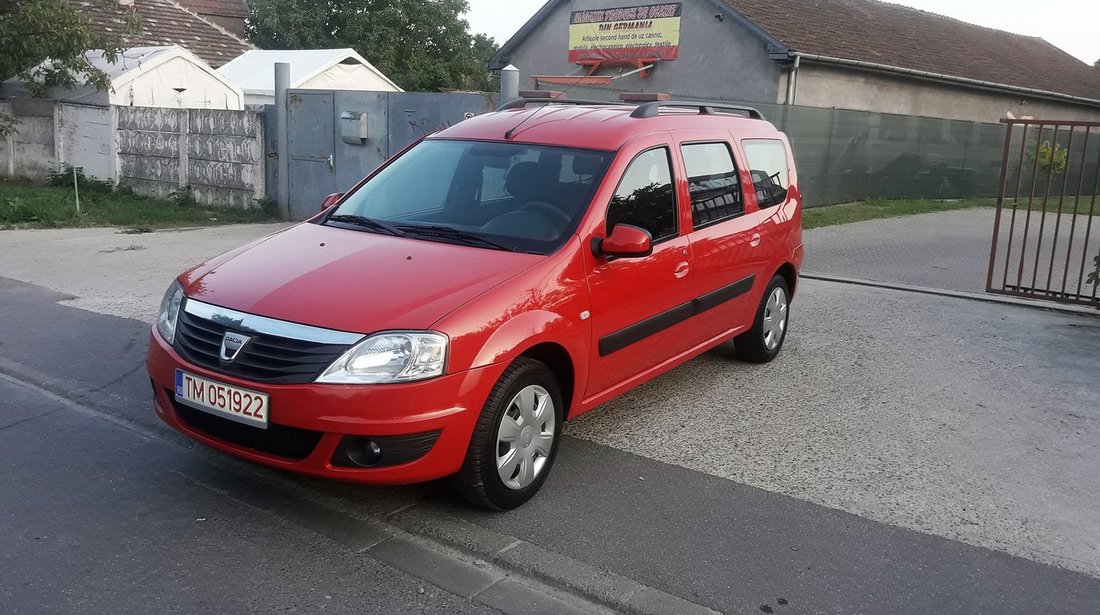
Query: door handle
(754, 240)
(330, 165)
(681, 270)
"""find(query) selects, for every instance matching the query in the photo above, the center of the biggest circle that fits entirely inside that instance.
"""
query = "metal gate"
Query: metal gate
(1046, 237)
(335, 137)
(312, 142)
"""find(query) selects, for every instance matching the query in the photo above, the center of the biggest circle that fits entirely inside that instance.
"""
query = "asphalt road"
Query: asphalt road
(900, 408)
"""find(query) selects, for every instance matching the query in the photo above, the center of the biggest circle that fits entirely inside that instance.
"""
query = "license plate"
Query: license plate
(235, 403)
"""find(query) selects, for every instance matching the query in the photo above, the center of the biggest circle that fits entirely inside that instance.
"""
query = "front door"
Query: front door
(639, 305)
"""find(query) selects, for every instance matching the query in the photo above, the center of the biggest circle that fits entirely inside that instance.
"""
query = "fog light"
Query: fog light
(382, 451)
(372, 453)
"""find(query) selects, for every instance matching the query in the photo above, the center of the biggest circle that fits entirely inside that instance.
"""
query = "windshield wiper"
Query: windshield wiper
(448, 232)
(365, 222)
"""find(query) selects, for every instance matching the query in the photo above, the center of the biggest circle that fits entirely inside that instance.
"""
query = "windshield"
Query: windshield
(505, 196)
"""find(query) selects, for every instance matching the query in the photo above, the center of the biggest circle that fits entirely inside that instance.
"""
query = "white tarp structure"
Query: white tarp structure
(167, 76)
(313, 69)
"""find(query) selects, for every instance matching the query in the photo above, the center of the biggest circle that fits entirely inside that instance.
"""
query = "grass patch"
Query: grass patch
(816, 217)
(27, 205)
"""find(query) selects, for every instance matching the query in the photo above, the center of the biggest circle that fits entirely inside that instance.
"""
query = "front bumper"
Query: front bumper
(308, 422)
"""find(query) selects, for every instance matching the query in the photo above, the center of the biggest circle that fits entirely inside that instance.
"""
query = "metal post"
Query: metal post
(76, 191)
(282, 141)
(509, 83)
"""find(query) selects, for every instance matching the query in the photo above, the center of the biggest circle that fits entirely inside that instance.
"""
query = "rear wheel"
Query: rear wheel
(763, 341)
(516, 438)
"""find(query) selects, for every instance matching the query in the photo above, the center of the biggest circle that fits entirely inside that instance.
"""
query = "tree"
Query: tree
(419, 44)
(1096, 64)
(32, 31)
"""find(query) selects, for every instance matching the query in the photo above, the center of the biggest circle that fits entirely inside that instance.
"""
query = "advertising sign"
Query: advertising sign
(625, 34)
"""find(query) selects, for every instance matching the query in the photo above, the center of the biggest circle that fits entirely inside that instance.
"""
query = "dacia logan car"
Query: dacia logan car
(447, 314)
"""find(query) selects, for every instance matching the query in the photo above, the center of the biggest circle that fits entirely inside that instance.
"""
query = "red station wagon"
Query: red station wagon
(493, 280)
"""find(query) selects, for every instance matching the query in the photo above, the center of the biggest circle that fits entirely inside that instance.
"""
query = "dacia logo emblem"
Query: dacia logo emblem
(232, 343)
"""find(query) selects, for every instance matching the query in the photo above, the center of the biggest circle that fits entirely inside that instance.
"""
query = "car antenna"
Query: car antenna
(508, 134)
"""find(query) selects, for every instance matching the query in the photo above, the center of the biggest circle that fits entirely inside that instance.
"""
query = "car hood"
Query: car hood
(351, 280)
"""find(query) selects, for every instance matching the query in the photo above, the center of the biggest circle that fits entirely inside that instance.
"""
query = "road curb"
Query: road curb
(556, 570)
(452, 554)
(1040, 304)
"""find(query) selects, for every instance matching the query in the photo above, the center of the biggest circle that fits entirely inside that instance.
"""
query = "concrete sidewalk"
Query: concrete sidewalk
(111, 272)
(947, 250)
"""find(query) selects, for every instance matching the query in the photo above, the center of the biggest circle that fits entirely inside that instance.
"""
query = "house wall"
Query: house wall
(717, 58)
(820, 85)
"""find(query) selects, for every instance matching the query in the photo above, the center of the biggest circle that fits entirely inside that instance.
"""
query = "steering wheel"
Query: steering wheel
(547, 210)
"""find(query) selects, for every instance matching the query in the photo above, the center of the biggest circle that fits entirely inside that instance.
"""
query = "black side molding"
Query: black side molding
(613, 342)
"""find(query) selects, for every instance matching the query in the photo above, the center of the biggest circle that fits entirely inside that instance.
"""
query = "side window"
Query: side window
(712, 180)
(768, 166)
(645, 197)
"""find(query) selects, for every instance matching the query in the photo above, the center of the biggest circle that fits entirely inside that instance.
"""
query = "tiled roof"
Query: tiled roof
(229, 14)
(227, 8)
(882, 33)
(164, 22)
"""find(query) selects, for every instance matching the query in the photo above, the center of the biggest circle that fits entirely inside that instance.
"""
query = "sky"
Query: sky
(1069, 24)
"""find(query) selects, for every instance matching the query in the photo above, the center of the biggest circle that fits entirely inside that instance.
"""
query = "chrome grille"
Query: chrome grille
(266, 357)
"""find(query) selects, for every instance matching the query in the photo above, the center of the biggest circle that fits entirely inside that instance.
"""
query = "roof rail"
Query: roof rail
(519, 103)
(652, 109)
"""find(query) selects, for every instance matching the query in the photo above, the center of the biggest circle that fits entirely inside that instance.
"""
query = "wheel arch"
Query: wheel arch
(790, 274)
(560, 362)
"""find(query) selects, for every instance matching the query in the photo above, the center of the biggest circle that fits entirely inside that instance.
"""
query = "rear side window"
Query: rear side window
(712, 181)
(645, 198)
(768, 166)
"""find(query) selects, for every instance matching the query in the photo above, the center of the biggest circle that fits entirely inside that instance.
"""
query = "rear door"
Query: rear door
(725, 236)
(640, 305)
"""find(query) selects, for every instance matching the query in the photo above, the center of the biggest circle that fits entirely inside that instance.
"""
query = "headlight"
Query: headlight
(393, 356)
(169, 312)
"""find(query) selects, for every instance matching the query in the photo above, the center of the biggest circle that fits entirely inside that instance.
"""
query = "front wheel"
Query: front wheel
(763, 341)
(516, 438)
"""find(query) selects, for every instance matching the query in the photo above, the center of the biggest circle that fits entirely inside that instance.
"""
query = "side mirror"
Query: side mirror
(331, 200)
(625, 241)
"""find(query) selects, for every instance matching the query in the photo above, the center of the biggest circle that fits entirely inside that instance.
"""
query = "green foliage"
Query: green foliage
(63, 178)
(33, 31)
(422, 45)
(183, 198)
(25, 205)
(1052, 158)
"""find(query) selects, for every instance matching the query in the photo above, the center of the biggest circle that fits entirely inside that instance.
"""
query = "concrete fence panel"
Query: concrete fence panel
(86, 139)
(225, 156)
(31, 151)
(149, 142)
(217, 155)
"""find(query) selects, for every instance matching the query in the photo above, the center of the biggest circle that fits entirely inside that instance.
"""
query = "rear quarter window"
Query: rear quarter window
(767, 160)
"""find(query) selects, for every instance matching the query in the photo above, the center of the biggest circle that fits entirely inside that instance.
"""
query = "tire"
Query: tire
(503, 427)
(764, 340)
